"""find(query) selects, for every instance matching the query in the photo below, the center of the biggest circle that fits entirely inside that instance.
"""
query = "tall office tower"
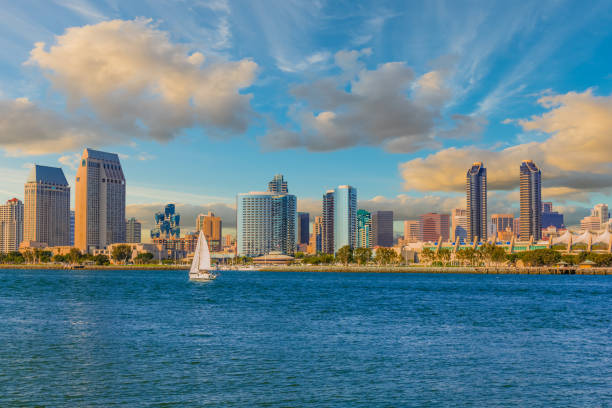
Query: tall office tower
(228, 241)
(100, 201)
(303, 228)
(47, 207)
(458, 224)
(601, 211)
(212, 227)
(503, 222)
(327, 225)
(167, 223)
(412, 230)
(278, 185)
(345, 217)
(11, 225)
(284, 223)
(316, 240)
(547, 207)
(531, 201)
(364, 229)
(433, 226)
(71, 228)
(133, 231)
(550, 217)
(382, 228)
(476, 200)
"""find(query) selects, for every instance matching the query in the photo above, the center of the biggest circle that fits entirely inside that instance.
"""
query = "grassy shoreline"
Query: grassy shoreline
(97, 267)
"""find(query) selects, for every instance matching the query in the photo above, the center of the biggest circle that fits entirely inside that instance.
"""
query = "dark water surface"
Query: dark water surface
(134, 338)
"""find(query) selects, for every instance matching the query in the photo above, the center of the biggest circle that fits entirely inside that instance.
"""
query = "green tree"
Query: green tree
(386, 256)
(345, 254)
(362, 255)
(143, 258)
(121, 253)
(100, 259)
(427, 255)
(74, 256)
(59, 258)
(444, 255)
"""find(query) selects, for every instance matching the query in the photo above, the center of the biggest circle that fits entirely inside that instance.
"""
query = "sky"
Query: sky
(206, 99)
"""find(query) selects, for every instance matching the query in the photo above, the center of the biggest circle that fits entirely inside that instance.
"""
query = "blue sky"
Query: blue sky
(206, 99)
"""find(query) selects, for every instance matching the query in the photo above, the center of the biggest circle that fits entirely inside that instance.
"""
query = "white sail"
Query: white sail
(200, 267)
(204, 264)
(195, 264)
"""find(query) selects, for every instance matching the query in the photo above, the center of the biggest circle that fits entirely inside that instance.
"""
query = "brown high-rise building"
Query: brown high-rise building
(100, 201)
(47, 207)
(411, 231)
(531, 201)
(11, 225)
(212, 228)
(433, 226)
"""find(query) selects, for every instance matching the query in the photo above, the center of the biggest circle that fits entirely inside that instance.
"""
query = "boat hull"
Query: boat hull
(202, 277)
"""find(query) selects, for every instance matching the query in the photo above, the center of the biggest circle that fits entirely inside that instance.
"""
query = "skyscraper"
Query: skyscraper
(72, 228)
(167, 223)
(433, 226)
(345, 217)
(503, 222)
(550, 217)
(601, 211)
(133, 231)
(382, 228)
(327, 224)
(278, 185)
(531, 201)
(476, 200)
(364, 229)
(458, 224)
(303, 228)
(100, 201)
(284, 223)
(412, 230)
(47, 207)
(316, 239)
(11, 225)
(212, 227)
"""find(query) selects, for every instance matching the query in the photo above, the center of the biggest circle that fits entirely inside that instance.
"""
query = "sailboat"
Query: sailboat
(201, 269)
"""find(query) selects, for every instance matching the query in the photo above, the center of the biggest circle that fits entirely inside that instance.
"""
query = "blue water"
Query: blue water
(133, 338)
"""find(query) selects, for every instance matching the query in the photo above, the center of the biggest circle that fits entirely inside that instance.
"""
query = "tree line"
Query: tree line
(119, 254)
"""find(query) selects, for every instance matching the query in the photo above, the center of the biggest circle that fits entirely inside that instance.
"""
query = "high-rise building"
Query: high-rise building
(100, 201)
(212, 227)
(327, 224)
(228, 241)
(11, 225)
(71, 228)
(167, 223)
(503, 222)
(458, 224)
(434, 226)
(516, 227)
(476, 188)
(382, 228)
(345, 217)
(133, 231)
(303, 228)
(364, 229)
(278, 185)
(531, 201)
(47, 207)
(590, 223)
(316, 239)
(412, 230)
(550, 217)
(601, 211)
(267, 221)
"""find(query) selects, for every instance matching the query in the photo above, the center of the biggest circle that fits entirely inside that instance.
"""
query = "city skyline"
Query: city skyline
(454, 91)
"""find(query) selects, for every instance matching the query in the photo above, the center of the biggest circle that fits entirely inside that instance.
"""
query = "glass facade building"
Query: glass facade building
(345, 217)
(530, 201)
(167, 224)
(382, 228)
(364, 229)
(476, 200)
(303, 228)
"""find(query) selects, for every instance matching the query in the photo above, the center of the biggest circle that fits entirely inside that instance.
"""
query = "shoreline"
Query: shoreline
(480, 270)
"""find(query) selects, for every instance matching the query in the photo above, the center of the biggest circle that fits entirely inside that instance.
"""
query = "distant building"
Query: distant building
(530, 200)
(601, 211)
(476, 199)
(516, 227)
(72, 228)
(100, 201)
(547, 207)
(11, 225)
(278, 185)
(433, 226)
(345, 217)
(364, 229)
(133, 231)
(47, 207)
(212, 227)
(458, 224)
(502, 222)
(382, 228)
(412, 231)
(550, 217)
(228, 241)
(491, 231)
(327, 223)
(167, 223)
(590, 223)
(316, 238)
(303, 228)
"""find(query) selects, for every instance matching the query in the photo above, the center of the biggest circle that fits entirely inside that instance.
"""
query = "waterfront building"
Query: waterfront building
(476, 200)
(502, 222)
(278, 185)
(71, 228)
(303, 228)
(345, 217)
(133, 231)
(284, 224)
(412, 231)
(47, 207)
(550, 217)
(530, 200)
(382, 229)
(458, 224)
(316, 238)
(364, 229)
(212, 227)
(327, 226)
(434, 226)
(167, 223)
(601, 211)
(11, 225)
(590, 223)
(100, 201)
